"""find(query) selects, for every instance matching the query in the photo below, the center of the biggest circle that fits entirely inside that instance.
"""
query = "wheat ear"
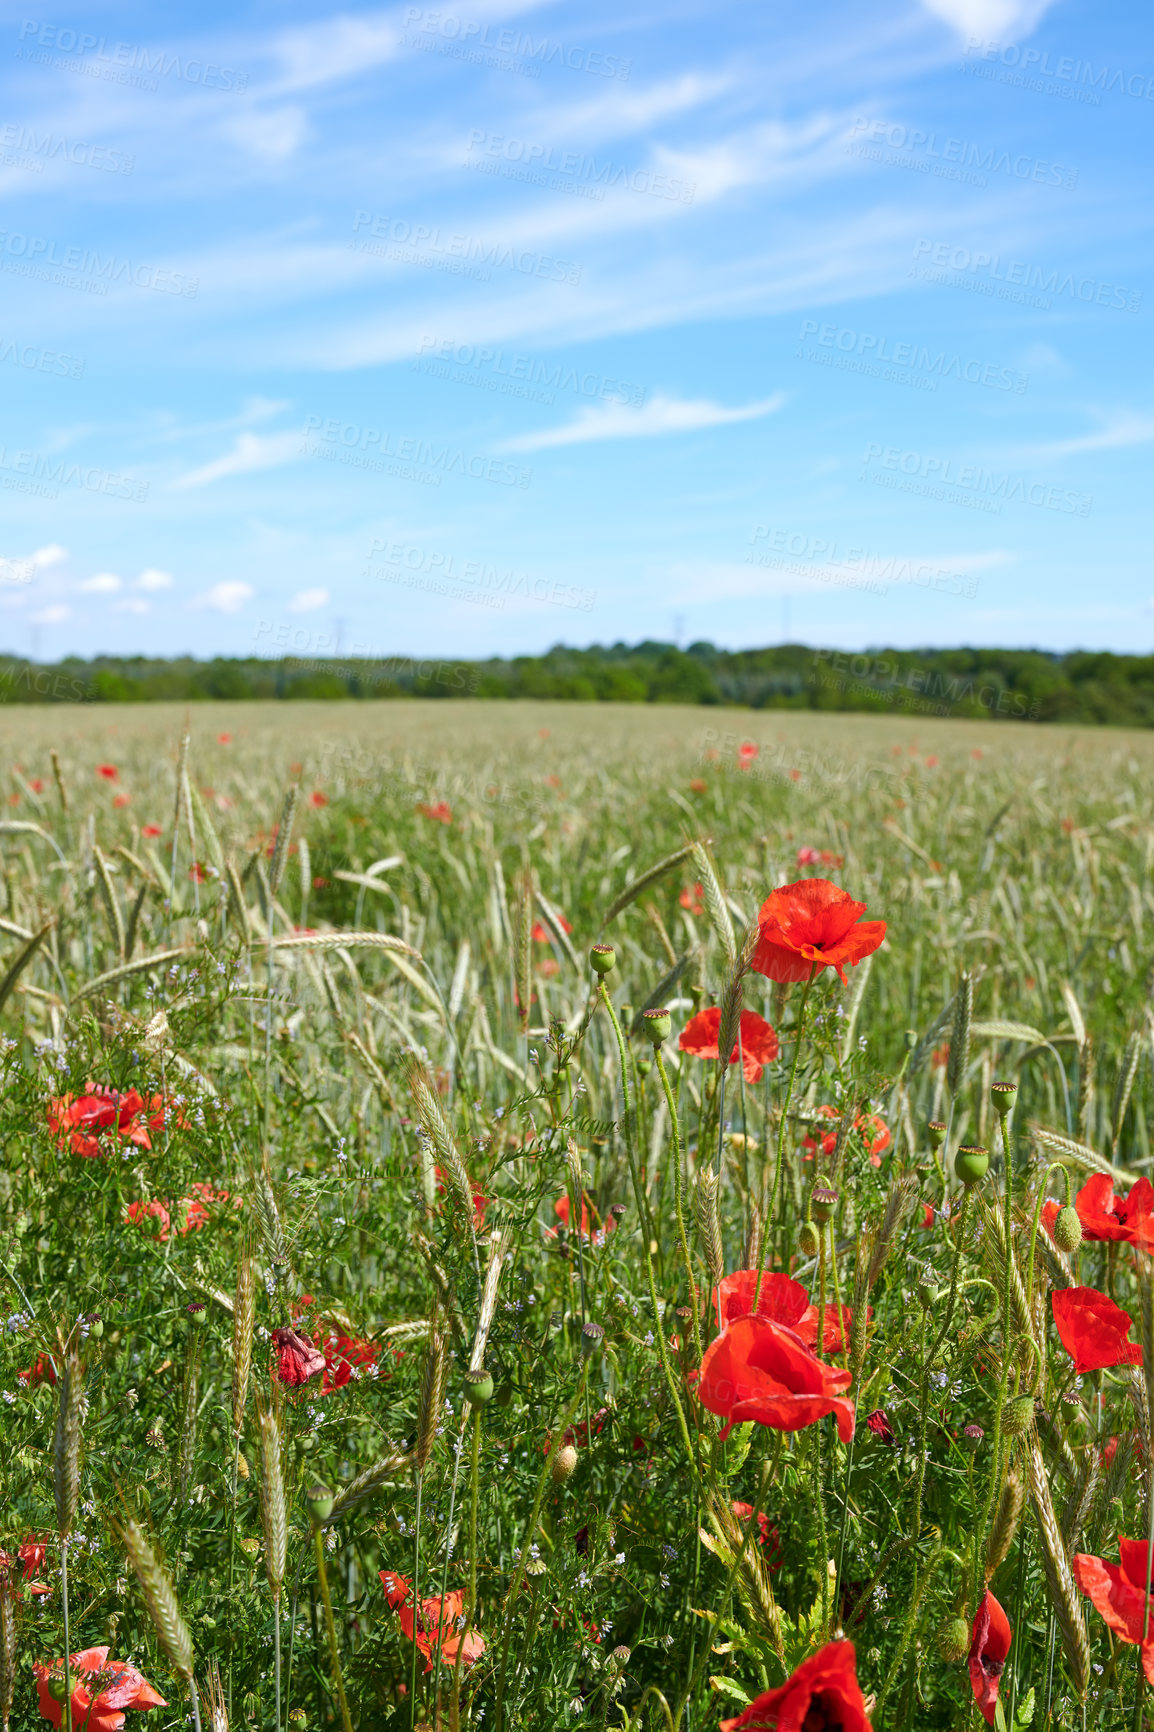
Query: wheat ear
(160, 1598)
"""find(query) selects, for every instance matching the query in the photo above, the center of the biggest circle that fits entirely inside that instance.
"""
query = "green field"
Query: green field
(350, 1018)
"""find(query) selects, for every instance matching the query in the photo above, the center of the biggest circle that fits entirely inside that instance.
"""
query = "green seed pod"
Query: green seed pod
(1068, 1229)
(320, 1503)
(1018, 1416)
(603, 959)
(1003, 1095)
(954, 1639)
(478, 1387)
(970, 1164)
(808, 1239)
(822, 1203)
(564, 1460)
(56, 1687)
(936, 1131)
(658, 1026)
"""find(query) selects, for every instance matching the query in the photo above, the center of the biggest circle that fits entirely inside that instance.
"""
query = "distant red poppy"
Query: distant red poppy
(36, 785)
(697, 786)
(441, 813)
(760, 1370)
(1128, 1219)
(41, 1370)
(199, 1204)
(144, 1214)
(1093, 1329)
(552, 781)
(693, 898)
(875, 1134)
(542, 934)
(316, 798)
(812, 925)
(1120, 1593)
(989, 1645)
(880, 1426)
(822, 1693)
(480, 1200)
(931, 763)
(758, 1045)
(320, 883)
(108, 771)
(783, 1300)
(96, 1705)
(82, 1121)
(150, 830)
(768, 1537)
(746, 753)
(562, 1211)
(122, 800)
(819, 857)
(224, 739)
(437, 1623)
(297, 1359)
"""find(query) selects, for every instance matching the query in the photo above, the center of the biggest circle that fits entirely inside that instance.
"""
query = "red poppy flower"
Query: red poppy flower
(768, 1537)
(36, 785)
(96, 1705)
(746, 753)
(150, 830)
(441, 813)
(436, 1622)
(757, 1369)
(108, 771)
(875, 1134)
(122, 800)
(1093, 1329)
(782, 1300)
(224, 739)
(1128, 1220)
(345, 1356)
(542, 934)
(41, 1370)
(880, 1426)
(812, 925)
(32, 1554)
(199, 1205)
(562, 1211)
(823, 1692)
(143, 1214)
(989, 1644)
(480, 1200)
(297, 1359)
(697, 786)
(927, 1219)
(82, 1121)
(1120, 1592)
(316, 798)
(758, 1045)
(819, 857)
(693, 898)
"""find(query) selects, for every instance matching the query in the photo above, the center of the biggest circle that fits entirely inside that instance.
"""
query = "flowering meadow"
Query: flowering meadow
(526, 1216)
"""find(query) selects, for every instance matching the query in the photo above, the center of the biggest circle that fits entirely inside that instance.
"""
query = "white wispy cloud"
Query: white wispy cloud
(54, 615)
(1007, 19)
(103, 583)
(308, 600)
(154, 579)
(227, 597)
(659, 416)
(46, 557)
(1120, 429)
(251, 452)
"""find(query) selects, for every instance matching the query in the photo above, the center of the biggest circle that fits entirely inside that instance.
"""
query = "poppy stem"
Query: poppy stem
(448, 1541)
(1054, 1167)
(799, 1031)
(1007, 1347)
(678, 1198)
(471, 1601)
(331, 1629)
(67, 1635)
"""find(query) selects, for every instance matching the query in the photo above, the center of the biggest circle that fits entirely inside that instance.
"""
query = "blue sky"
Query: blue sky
(470, 330)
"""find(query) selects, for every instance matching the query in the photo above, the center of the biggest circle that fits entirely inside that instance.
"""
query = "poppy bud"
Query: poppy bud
(822, 1202)
(298, 1717)
(1067, 1229)
(1018, 1416)
(478, 1387)
(972, 1437)
(591, 1337)
(603, 959)
(196, 1313)
(95, 1324)
(619, 1658)
(927, 1291)
(658, 1025)
(644, 1064)
(56, 1687)
(563, 1463)
(1003, 1096)
(320, 1503)
(808, 1239)
(970, 1164)
(936, 1131)
(954, 1639)
(280, 1269)
(617, 1210)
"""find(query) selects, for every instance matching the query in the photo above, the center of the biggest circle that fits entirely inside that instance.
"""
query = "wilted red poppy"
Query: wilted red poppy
(880, 1426)
(562, 1211)
(108, 771)
(346, 1357)
(1120, 1593)
(1093, 1329)
(693, 898)
(108, 1687)
(436, 1623)
(297, 1359)
(441, 813)
(812, 925)
(1127, 1220)
(757, 1369)
(875, 1134)
(757, 1047)
(989, 1644)
(768, 1537)
(822, 1693)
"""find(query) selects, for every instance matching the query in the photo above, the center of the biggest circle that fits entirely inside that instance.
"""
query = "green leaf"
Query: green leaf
(728, 1687)
(1025, 1713)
